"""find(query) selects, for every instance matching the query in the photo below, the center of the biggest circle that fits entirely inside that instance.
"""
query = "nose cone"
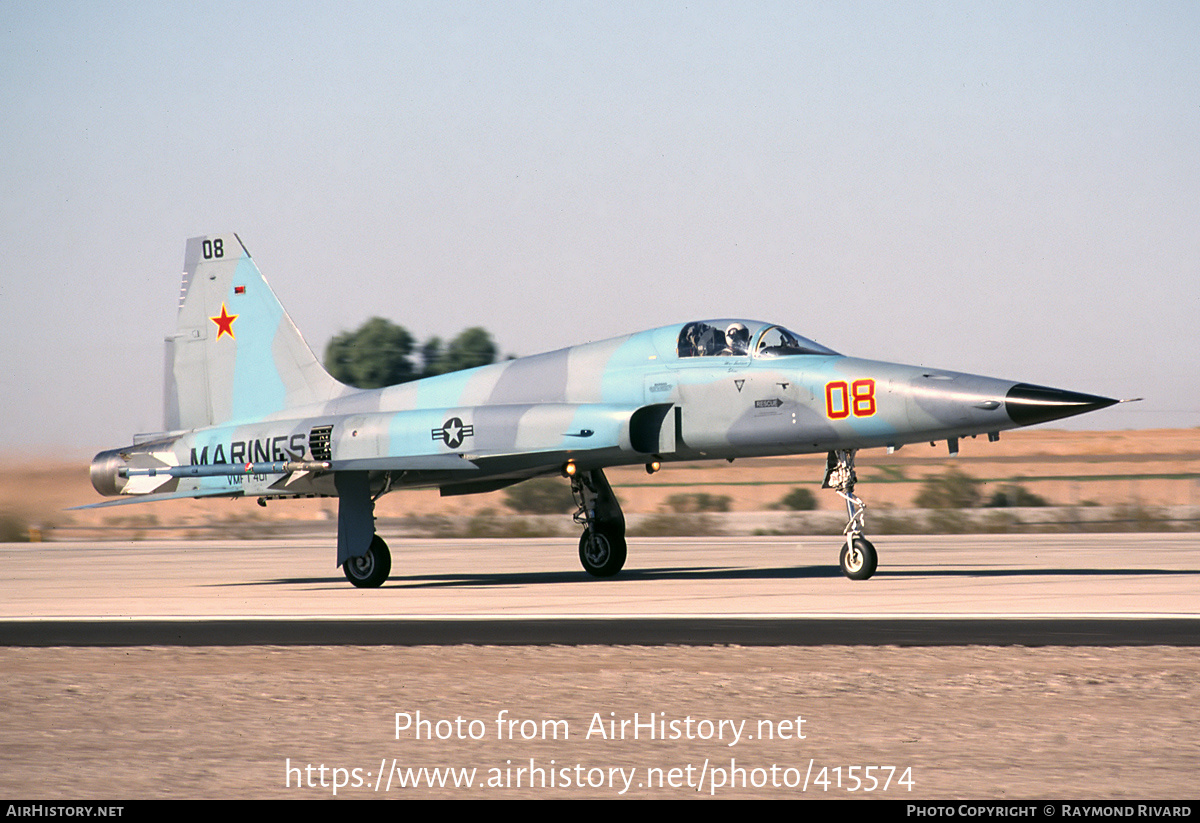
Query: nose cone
(1027, 404)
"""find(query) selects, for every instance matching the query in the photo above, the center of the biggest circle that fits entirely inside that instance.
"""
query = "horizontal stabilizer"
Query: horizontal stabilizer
(154, 498)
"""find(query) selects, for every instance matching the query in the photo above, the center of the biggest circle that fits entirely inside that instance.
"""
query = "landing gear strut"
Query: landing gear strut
(858, 559)
(602, 546)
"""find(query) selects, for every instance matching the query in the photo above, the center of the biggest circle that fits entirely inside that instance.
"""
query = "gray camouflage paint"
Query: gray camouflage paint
(244, 390)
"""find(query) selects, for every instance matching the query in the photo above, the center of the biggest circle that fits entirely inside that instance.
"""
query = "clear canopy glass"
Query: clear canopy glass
(743, 338)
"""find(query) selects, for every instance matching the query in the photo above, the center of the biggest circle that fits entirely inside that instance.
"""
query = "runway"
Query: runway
(1111, 589)
(968, 664)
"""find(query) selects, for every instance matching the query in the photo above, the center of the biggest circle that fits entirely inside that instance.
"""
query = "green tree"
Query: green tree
(473, 347)
(690, 502)
(431, 356)
(952, 490)
(1014, 495)
(373, 356)
(799, 500)
(379, 353)
(542, 495)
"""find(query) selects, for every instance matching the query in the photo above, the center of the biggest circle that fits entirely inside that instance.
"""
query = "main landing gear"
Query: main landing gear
(858, 559)
(356, 528)
(370, 570)
(602, 545)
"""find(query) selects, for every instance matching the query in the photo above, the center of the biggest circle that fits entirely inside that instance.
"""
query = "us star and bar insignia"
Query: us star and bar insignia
(452, 432)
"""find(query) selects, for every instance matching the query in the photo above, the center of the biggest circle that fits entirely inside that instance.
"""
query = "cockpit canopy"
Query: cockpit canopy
(742, 338)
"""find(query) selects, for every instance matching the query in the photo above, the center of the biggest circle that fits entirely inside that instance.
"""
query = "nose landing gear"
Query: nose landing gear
(858, 559)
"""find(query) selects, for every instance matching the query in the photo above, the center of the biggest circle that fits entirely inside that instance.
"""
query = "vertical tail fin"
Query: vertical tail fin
(235, 353)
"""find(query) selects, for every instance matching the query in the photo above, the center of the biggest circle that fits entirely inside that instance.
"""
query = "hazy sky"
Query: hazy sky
(1005, 188)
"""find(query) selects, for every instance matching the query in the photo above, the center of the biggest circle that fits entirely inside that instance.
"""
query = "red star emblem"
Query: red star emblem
(224, 322)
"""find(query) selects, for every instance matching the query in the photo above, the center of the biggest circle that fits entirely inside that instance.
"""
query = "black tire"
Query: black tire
(602, 553)
(860, 563)
(371, 569)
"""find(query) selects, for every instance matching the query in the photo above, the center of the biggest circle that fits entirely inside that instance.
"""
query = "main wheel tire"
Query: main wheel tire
(371, 569)
(602, 553)
(859, 559)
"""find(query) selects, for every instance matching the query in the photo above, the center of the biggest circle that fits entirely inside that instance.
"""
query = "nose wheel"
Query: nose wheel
(859, 559)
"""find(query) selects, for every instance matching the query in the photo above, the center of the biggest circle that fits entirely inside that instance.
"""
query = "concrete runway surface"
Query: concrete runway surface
(1066, 720)
(1109, 574)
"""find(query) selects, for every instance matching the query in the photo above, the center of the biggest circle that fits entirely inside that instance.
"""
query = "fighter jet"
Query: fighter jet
(250, 412)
